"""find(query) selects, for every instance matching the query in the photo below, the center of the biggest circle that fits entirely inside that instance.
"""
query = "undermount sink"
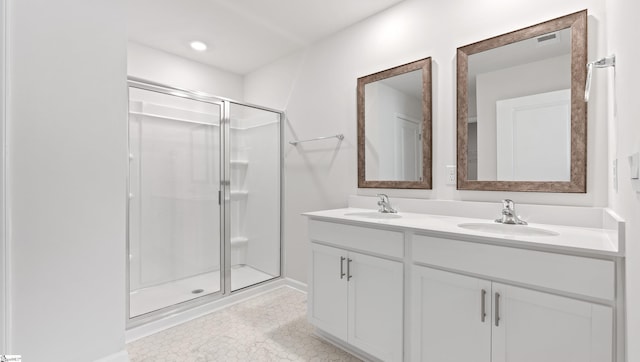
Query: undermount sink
(507, 229)
(374, 215)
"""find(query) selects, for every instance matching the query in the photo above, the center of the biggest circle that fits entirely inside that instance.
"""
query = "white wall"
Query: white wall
(162, 67)
(66, 139)
(624, 139)
(4, 255)
(317, 87)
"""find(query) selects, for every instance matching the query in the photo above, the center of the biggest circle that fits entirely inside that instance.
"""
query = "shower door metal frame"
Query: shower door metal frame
(225, 127)
(133, 321)
(224, 202)
(227, 193)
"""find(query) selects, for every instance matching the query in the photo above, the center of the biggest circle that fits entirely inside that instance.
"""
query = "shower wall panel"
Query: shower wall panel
(174, 211)
(255, 143)
(264, 251)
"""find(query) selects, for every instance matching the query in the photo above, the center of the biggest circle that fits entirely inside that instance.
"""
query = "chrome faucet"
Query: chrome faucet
(509, 215)
(385, 205)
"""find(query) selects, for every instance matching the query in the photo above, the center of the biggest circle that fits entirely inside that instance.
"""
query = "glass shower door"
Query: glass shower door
(174, 212)
(254, 195)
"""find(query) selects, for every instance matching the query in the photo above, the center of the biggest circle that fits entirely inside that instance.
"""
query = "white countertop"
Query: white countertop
(570, 239)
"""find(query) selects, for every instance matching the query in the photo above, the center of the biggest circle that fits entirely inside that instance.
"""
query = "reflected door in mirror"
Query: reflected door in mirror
(533, 136)
(393, 124)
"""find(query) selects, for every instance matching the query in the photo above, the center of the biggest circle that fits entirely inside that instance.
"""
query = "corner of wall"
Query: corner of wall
(4, 250)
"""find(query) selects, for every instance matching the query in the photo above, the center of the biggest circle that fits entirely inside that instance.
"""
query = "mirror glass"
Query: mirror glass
(521, 119)
(394, 127)
(520, 130)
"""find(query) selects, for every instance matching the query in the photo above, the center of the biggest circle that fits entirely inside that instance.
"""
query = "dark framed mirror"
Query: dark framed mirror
(394, 127)
(521, 115)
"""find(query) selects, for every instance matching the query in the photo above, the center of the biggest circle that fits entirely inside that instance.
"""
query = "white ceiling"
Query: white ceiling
(242, 35)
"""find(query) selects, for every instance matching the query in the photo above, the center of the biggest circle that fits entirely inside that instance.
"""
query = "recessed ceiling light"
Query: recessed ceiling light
(198, 46)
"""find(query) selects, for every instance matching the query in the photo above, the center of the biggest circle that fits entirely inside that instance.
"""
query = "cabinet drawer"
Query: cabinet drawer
(573, 274)
(384, 242)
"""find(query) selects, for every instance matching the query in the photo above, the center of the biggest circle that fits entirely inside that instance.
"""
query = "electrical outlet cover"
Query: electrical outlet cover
(451, 174)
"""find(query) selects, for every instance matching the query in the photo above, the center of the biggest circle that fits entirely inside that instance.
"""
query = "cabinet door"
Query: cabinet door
(376, 306)
(328, 290)
(451, 319)
(535, 326)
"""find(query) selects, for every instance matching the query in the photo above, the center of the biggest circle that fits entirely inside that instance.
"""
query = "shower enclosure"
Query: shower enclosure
(204, 210)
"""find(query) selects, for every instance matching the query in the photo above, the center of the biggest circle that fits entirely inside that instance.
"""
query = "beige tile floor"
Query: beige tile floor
(270, 327)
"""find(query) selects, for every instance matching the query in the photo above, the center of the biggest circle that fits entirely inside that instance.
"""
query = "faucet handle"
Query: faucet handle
(509, 215)
(385, 204)
(508, 204)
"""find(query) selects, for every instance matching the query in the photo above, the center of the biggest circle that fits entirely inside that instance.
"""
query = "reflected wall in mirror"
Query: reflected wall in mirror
(521, 117)
(394, 127)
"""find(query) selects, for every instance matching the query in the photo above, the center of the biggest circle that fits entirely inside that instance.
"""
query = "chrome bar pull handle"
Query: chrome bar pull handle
(349, 276)
(483, 310)
(342, 258)
(497, 309)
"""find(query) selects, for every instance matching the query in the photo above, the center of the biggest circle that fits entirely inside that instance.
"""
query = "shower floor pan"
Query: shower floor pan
(161, 296)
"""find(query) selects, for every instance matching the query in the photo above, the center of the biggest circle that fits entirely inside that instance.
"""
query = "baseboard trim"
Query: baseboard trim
(296, 284)
(343, 346)
(122, 356)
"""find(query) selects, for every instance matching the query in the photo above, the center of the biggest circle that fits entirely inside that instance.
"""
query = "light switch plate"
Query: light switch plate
(634, 171)
(451, 174)
(634, 165)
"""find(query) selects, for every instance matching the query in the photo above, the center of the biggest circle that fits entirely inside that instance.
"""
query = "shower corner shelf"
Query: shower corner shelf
(239, 195)
(239, 241)
(239, 163)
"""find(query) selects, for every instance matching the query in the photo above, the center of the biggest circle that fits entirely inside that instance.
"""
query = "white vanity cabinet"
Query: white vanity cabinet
(420, 288)
(328, 290)
(536, 326)
(357, 297)
(501, 322)
(451, 317)
(460, 318)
